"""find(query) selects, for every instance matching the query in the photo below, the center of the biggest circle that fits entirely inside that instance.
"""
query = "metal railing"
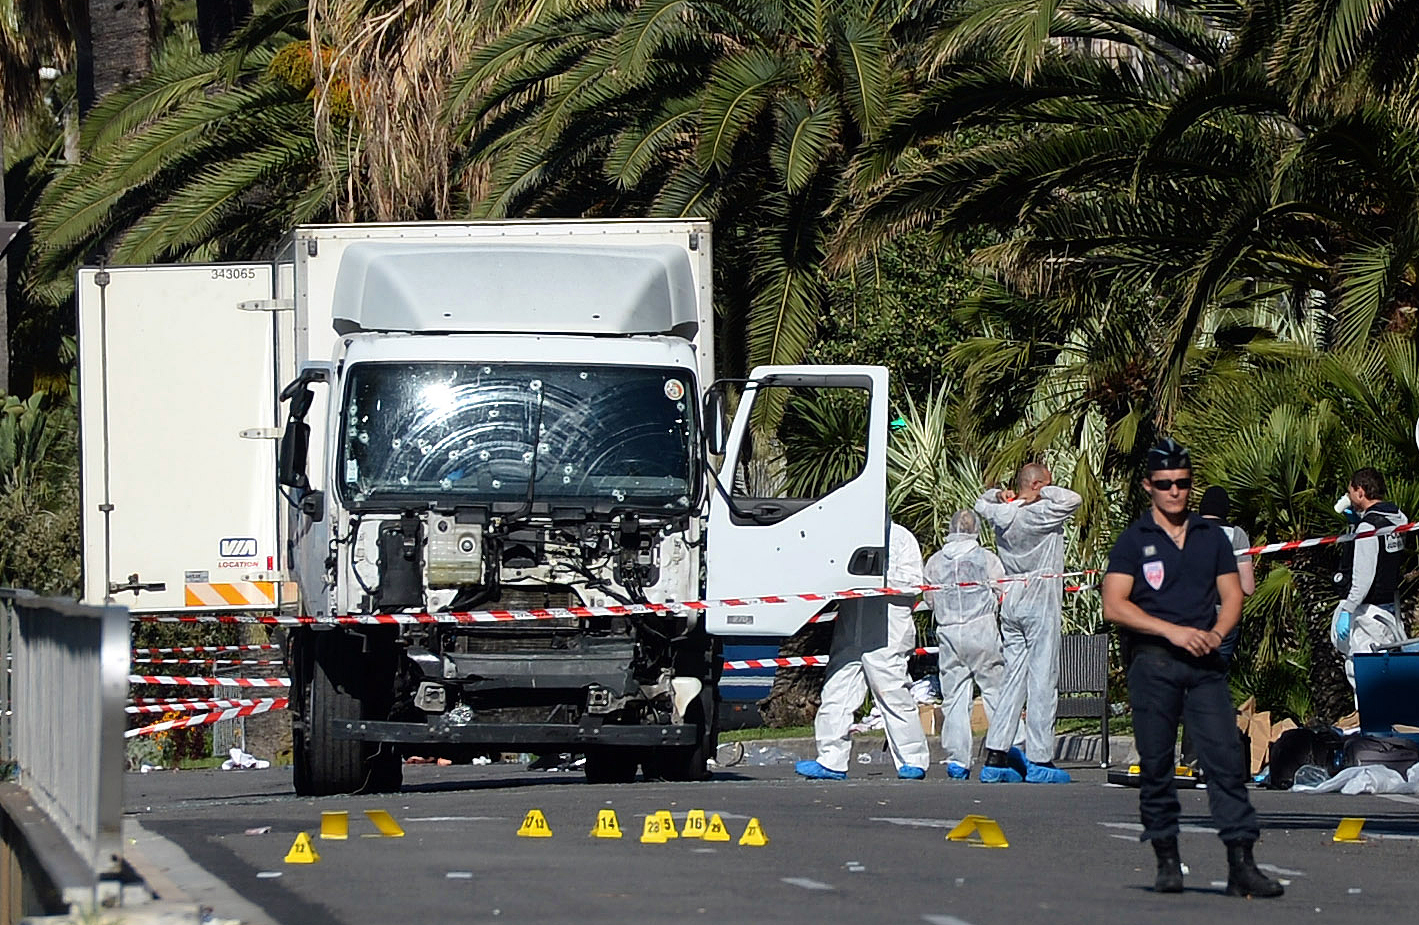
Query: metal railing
(67, 692)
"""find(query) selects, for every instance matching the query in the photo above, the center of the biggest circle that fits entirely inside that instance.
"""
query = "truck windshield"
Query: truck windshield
(607, 435)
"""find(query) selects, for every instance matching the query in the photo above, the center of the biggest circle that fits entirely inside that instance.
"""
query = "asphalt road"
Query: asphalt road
(870, 849)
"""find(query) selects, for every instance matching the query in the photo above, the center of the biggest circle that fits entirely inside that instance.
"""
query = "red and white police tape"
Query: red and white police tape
(194, 650)
(207, 661)
(204, 719)
(801, 661)
(192, 706)
(621, 610)
(787, 661)
(208, 682)
(1289, 545)
(563, 613)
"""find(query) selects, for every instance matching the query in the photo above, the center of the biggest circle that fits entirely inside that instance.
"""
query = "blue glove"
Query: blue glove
(1342, 626)
(1351, 515)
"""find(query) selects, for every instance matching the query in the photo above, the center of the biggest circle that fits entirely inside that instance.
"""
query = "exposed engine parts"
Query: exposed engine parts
(435, 561)
(616, 670)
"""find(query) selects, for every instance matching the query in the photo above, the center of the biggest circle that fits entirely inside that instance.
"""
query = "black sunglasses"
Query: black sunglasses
(1183, 484)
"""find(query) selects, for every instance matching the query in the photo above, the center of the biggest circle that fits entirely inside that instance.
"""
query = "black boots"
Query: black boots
(1243, 879)
(1170, 876)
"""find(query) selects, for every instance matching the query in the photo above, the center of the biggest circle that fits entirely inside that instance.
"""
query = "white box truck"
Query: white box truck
(392, 429)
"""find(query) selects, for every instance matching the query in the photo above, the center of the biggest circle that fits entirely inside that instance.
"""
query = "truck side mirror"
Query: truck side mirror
(295, 441)
(290, 464)
(716, 421)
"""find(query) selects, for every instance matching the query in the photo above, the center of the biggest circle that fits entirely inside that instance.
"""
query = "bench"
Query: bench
(1084, 682)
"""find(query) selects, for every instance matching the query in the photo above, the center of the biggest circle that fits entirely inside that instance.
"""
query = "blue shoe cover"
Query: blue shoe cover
(1018, 760)
(815, 771)
(957, 771)
(1039, 774)
(907, 772)
(989, 775)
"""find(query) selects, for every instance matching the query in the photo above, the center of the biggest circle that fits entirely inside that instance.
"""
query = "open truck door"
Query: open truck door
(767, 534)
(179, 499)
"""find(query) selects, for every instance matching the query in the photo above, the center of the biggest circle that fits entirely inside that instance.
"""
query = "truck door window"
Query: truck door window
(820, 445)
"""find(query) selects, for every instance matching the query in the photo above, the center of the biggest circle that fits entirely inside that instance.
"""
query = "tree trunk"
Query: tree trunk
(119, 47)
(793, 700)
(218, 19)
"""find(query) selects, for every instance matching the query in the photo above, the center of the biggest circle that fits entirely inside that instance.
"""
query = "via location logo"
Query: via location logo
(237, 547)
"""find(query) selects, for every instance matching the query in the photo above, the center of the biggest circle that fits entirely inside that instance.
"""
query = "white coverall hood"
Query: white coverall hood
(971, 575)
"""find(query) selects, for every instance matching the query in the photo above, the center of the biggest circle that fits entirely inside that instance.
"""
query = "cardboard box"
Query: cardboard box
(930, 715)
(1260, 731)
(979, 723)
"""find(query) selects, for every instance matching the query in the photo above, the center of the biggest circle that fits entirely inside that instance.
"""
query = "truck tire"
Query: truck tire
(700, 656)
(299, 655)
(611, 765)
(687, 762)
(342, 683)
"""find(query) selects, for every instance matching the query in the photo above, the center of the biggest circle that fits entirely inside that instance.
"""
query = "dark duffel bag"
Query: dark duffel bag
(1391, 751)
(1317, 745)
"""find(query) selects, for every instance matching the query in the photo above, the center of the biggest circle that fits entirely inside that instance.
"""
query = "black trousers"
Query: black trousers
(1163, 688)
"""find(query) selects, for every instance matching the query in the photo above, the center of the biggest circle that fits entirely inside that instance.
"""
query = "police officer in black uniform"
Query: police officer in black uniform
(1167, 575)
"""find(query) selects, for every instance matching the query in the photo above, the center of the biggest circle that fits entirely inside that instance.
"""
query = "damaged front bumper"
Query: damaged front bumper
(591, 731)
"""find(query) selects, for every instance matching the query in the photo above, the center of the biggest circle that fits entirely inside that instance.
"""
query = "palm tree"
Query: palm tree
(1182, 170)
(115, 48)
(218, 19)
(31, 35)
(39, 495)
(1204, 224)
(746, 112)
(210, 157)
(391, 64)
(1282, 426)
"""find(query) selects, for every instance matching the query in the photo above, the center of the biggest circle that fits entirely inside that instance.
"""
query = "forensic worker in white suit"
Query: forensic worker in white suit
(1029, 535)
(872, 639)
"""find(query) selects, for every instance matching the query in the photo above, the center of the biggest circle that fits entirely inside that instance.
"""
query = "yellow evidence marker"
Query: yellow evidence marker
(302, 852)
(754, 834)
(388, 828)
(694, 824)
(1349, 830)
(534, 825)
(653, 833)
(988, 829)
(606, 825)
(667, 823)
(335, 825)
(716, 831)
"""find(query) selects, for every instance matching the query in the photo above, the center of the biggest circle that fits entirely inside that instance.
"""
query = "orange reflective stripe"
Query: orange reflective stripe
(230, 593)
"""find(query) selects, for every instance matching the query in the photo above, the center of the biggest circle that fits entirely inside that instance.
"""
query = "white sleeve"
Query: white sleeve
(1241, 541)
(904, 559)
(994, 568)
(999, 514)
(1054, 507)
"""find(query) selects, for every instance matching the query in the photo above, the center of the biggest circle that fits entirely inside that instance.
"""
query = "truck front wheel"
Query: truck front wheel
(342, 682)
(605, 765)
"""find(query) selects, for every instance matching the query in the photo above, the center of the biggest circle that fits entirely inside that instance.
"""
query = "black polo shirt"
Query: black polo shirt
(1172, 584)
